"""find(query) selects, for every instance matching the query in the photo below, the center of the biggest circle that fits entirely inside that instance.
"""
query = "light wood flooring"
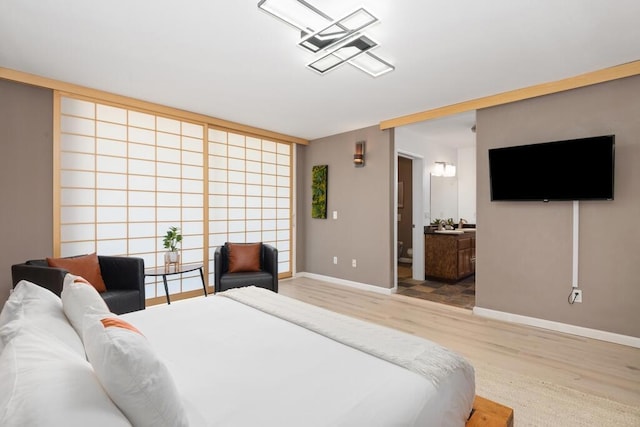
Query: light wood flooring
(596, 367)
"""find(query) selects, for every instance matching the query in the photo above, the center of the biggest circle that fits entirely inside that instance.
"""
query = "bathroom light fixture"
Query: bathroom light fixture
(358, 157)
(444, 169)
(335, 42)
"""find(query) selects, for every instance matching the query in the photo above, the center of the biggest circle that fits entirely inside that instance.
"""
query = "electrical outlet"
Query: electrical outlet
(353, 263)
(577, 295)
(335, 259)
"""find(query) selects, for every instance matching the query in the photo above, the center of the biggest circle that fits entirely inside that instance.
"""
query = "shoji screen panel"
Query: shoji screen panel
(125, 177)
(249, 193)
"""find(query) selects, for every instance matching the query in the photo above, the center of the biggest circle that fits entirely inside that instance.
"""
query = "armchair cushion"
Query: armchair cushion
(244, 257)
(86, 266)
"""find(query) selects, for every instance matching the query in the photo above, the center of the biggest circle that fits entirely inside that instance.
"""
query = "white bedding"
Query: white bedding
(237, 366)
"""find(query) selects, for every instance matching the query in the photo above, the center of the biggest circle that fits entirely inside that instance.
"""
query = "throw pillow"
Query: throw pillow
(33, 308)
(86, 266)
(43, 383)
(244, 257)
(78, 298)
(131, 372)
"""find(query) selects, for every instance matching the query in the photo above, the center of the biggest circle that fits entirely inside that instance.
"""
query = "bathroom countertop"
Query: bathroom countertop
(468, 228)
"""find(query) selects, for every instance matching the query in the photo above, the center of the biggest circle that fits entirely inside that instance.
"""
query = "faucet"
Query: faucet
(461, 223)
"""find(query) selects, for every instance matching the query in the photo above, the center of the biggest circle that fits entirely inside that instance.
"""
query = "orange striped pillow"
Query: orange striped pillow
(132, 373)
(112, 322)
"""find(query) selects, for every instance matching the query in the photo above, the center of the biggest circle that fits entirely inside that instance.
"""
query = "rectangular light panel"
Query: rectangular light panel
(338, 31)
(297, 13)
(343, 53)
(371, 64)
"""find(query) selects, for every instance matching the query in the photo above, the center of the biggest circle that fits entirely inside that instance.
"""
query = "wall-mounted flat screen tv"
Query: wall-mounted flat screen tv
(577, 169)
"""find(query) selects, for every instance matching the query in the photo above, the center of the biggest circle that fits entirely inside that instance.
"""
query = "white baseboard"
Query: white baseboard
(351, 284)
(406, 260)
(559, 327)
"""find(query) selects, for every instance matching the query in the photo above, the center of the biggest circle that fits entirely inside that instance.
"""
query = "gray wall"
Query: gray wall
(363, 199)
(524, 249)
(26, 122)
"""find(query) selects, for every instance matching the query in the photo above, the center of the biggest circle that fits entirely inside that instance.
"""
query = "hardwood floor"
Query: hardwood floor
(596, 367)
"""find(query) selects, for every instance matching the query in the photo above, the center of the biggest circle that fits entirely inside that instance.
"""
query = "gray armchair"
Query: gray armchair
(267, 277)
(123, 278)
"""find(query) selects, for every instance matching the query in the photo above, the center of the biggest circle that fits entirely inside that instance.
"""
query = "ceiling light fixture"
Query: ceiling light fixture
(338, 31)
(335, 42)
(351, 48)
(297, 13)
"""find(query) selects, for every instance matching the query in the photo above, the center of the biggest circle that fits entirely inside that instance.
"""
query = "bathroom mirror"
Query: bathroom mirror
(443, 198)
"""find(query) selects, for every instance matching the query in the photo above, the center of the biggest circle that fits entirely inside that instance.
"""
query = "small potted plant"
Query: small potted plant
(170, 242)
(437, 224)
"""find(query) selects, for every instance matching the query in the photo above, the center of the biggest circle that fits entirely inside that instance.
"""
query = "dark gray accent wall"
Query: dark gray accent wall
(362, 198)
(26, 165)
(524, 249)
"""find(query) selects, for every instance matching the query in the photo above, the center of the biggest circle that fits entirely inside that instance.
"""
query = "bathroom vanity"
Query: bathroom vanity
(449, 254)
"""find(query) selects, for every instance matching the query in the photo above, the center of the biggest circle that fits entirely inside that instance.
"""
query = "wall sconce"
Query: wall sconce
(444, 169)
(358, 157)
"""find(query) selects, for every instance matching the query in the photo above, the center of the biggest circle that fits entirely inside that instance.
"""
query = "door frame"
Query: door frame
(417, 237)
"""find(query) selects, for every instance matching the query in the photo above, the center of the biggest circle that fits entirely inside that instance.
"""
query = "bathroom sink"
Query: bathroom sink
(468, 230)
(449, 232)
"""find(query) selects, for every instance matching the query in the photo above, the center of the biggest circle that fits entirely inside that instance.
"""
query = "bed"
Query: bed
(243, 357)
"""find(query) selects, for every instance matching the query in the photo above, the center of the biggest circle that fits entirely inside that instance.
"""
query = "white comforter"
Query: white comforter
(239, 366)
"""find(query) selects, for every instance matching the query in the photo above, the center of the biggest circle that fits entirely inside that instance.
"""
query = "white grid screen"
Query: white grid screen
(249, 193)
(126, 176)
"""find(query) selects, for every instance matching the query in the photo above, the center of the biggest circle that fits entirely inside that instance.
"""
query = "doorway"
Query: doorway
(405, 218)
(449, 140)
(409, 238)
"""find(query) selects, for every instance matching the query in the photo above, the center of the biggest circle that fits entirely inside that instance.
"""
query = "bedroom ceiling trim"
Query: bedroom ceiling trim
(594, 77)
(34, 80)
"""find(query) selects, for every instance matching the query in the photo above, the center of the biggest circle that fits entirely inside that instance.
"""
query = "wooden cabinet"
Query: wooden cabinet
(449, 256)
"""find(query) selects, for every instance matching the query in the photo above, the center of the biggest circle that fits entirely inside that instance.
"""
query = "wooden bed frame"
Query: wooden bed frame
(487, 413)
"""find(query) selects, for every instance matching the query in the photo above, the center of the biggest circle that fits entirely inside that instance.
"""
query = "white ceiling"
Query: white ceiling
(451, 131)
(228, 59)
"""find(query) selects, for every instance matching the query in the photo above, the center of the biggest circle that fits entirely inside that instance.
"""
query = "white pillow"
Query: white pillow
(44, 383)
(79, 297)
(132, 373)
(35, 308)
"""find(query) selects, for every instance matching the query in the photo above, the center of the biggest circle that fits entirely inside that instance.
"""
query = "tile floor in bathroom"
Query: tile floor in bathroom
(459, 294)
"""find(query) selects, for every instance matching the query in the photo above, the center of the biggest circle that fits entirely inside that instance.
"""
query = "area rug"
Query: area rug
(541, 403)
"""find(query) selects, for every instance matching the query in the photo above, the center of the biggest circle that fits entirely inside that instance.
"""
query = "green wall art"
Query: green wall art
(319, 175)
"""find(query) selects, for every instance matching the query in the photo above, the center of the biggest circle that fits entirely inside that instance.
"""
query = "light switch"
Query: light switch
(335, 214)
